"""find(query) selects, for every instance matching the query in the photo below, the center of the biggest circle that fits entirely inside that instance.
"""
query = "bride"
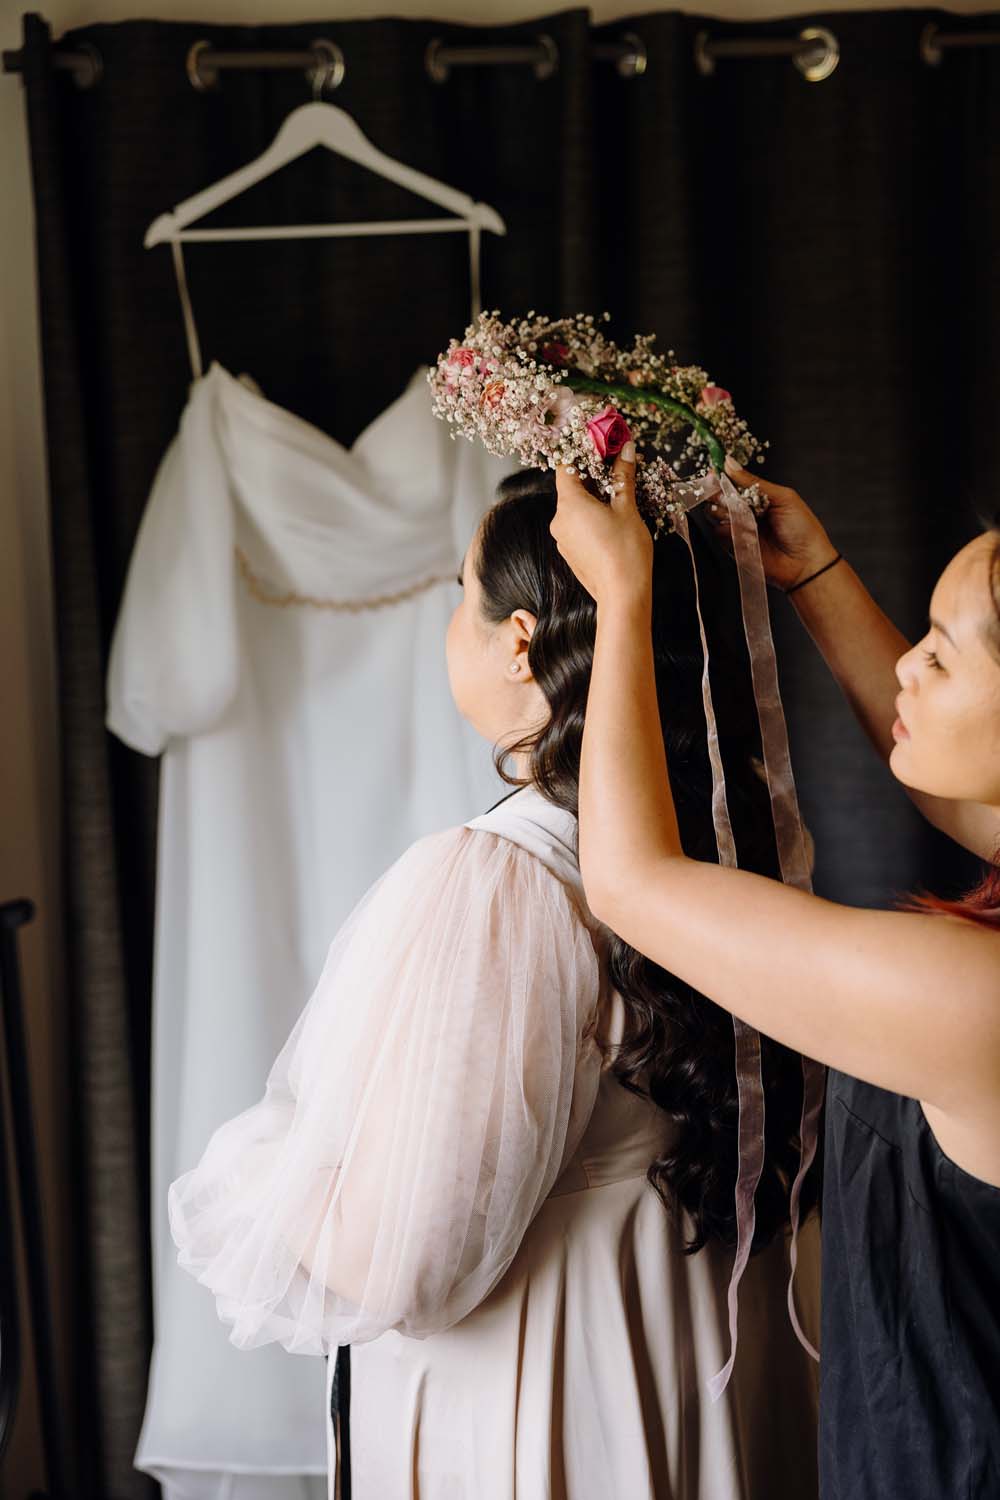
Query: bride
(497, 1155)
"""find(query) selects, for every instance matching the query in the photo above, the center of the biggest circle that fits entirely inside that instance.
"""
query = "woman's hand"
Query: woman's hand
(793, 542)
(608, 546)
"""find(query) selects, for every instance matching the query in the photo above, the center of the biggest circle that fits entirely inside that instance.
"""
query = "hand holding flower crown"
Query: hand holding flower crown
(608, 546)
(793, 541)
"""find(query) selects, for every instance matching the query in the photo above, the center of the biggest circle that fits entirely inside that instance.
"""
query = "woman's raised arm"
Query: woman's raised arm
(907, 1002)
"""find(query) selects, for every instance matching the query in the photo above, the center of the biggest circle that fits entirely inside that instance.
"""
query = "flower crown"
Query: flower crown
(557, 391)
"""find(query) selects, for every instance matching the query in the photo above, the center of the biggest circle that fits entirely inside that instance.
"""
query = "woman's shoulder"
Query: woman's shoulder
(476, 881)
(538, 827)
(520, 853)
(523, 824)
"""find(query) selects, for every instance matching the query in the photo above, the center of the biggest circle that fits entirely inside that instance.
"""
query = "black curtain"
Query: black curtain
(827, 250)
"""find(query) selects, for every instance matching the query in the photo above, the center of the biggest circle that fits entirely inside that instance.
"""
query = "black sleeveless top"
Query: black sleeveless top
(910, 1370)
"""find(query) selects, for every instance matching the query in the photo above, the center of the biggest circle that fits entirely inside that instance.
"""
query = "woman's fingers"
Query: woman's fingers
(571, 491)
(738, 474)
(608, 546)
(574, 501)
(742, 478)
(623, 478)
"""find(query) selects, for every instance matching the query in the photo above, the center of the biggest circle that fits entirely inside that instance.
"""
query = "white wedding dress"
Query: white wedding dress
(305, 745)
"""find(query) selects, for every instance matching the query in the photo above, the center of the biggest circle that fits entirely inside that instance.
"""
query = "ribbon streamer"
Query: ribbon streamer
(789, 836)
(749, 1083)
(794, 865)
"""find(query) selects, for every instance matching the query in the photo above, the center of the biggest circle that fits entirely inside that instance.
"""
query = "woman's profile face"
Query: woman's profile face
(488, 670)
(948, 732)
(467, 647)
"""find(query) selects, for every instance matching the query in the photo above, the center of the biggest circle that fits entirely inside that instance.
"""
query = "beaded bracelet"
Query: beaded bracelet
(825, 569)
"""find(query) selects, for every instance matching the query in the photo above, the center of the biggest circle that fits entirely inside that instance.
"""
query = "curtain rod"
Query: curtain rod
(814, 51)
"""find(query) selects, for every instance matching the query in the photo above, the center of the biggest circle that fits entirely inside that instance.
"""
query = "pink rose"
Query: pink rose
(555, 354)
(493, 393)
(714, 395)
(463, 357)
(609, 432)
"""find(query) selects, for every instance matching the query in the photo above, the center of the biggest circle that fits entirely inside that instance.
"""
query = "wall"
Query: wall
(28, 769)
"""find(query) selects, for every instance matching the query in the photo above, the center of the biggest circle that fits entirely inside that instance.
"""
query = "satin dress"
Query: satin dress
(445, 1174)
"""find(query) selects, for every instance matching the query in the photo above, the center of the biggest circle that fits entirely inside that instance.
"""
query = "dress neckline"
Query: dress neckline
(275, 415)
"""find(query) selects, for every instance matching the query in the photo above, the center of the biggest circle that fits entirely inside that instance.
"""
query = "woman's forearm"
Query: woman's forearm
(624, 785)
(860, 645)
(857, 989)
(627, 816)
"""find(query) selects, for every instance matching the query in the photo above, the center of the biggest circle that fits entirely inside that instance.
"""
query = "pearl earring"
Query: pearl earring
(514, 667)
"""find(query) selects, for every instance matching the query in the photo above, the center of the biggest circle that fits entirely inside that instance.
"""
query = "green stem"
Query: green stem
(626, 394)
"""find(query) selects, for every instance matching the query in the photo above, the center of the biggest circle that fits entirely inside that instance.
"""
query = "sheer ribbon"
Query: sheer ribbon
(794, 864)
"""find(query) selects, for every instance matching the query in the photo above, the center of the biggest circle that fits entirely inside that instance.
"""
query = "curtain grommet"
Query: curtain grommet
(330, 68)
(815, 51)
(703, 59)
(632, 63)
(930, 50)
(200, 77)
(548, 65)
(437, 70)
(813, 64)
(88, 66)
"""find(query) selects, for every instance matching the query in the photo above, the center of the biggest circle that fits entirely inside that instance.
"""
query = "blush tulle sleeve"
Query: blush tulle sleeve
(441, 1074)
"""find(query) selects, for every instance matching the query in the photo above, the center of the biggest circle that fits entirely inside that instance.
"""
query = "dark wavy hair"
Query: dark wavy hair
(678, 1046)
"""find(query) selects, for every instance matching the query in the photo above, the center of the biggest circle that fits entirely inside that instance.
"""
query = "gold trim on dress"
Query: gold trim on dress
(259, 591)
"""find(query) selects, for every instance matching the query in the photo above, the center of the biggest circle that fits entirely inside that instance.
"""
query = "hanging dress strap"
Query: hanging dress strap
(475, 270)
(187, 310)
(190, 330)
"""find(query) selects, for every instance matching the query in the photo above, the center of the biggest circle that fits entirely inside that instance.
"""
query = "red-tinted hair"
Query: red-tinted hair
(980, 905)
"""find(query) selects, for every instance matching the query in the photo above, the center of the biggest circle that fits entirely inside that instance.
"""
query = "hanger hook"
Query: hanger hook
(330, 67)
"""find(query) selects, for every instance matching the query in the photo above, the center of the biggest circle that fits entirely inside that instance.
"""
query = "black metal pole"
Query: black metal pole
(10, 1323)
(13, 915)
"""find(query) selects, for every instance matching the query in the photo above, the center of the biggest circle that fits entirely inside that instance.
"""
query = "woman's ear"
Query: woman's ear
(521, 625)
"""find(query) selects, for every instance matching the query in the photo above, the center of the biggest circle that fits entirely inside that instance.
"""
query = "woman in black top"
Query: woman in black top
(904, 1005)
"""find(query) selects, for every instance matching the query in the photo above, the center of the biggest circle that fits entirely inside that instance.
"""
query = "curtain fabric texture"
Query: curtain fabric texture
(826, 250)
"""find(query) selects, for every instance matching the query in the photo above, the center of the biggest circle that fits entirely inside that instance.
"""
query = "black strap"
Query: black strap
(340, 1416)
(503, 800)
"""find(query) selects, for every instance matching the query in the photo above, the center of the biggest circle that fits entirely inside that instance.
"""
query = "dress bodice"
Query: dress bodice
(323, 519)
(626, 1133)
